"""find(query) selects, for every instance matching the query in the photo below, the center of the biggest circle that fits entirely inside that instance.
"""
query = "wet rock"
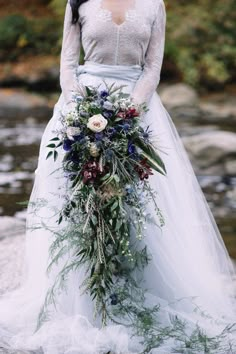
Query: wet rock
(231, 197)
(179, 95)
(223, 112)
(38, 73)
(184, 105)
(212, 152)
(230, 167)
(18, 104)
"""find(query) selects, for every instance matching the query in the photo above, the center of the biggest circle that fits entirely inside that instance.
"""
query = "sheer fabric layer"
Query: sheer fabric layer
(190, 266)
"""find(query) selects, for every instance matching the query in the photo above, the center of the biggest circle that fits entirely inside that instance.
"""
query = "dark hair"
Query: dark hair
(75, 4)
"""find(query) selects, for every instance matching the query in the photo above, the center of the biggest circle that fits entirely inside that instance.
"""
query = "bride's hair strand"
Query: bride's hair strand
(75, 4)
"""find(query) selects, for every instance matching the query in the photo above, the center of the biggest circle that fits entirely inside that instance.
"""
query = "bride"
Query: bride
(187, 286)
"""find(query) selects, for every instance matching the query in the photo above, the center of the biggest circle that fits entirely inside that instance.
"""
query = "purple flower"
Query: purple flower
(104, 93)
(111, 131)
(131, 148)
(79, 137)
(67, 144)
(107, 114)
(99, 136)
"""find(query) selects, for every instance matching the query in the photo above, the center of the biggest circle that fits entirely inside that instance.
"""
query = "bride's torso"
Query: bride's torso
(116, 35)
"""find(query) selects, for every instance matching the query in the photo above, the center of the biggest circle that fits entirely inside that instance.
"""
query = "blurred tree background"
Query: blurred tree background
(200, 38)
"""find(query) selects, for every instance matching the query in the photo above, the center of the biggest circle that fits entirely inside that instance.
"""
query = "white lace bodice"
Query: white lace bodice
(138, 39)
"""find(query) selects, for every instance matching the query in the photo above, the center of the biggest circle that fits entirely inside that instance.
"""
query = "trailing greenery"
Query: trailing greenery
(107, 162)
(124, 300)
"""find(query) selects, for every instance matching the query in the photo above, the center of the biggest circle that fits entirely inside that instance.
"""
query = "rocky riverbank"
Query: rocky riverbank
(207, 127)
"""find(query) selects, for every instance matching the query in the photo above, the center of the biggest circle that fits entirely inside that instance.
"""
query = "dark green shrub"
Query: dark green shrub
(201, 40)
(21, 36)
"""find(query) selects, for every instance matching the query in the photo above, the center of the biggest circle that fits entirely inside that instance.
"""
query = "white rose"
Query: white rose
(72, 131)
(97, 123)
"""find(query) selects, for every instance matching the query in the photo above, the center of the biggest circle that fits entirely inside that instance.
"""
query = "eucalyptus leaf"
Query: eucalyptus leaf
(49, 154)
(51, 146)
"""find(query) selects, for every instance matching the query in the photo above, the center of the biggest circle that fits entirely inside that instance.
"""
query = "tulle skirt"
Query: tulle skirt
(190, 274)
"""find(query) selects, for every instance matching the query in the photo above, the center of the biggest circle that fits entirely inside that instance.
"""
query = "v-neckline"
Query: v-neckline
(109, 13)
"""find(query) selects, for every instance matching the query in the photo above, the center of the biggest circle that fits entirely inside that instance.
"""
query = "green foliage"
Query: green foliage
(201, 40)
(19, 35)
(58, 7)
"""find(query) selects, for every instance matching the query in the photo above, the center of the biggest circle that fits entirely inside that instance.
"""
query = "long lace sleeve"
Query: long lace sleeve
(149, 80)
(70, 52)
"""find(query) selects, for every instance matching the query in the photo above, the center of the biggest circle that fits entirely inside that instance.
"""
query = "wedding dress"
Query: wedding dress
(190, 274)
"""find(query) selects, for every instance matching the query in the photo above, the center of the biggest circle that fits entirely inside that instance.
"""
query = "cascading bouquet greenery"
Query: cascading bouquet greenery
(108, 159)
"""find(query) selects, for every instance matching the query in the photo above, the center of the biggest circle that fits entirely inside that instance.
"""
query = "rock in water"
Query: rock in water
(19, 104)
(179, 95)
(212, 152)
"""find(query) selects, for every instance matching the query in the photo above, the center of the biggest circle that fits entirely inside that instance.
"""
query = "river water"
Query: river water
(19, 147)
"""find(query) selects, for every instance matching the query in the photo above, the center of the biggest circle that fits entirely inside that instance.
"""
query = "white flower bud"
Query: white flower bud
(72, 131)
(93, 149)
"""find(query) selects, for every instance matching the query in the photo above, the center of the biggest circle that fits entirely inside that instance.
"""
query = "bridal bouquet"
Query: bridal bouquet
(108, 159)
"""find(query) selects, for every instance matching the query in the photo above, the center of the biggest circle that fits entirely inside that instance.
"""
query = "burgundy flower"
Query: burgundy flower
(87, 176)
(128, 114)
(144, 171)
(132, 112)
(91, 172)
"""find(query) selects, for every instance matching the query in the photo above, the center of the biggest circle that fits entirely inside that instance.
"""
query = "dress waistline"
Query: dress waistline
(122, 72)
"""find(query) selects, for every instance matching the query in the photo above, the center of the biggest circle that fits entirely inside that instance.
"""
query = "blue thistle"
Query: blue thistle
(104, 93)
(126, 127)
